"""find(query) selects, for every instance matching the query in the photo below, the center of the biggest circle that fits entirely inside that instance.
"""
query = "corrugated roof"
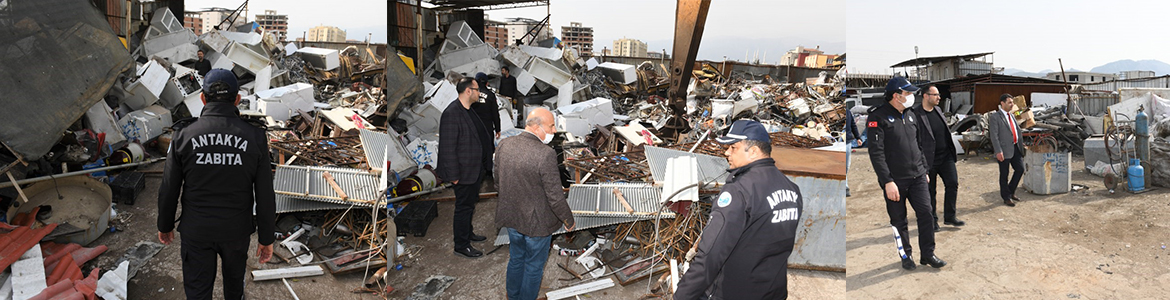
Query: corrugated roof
(922, 61)
(15, 243)
(287, 204)
(598, 200)
(711, 168)
(375, 145)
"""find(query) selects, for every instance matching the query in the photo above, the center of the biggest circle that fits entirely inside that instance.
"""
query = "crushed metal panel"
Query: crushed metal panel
(548, 73)
(287, 204)
(622, 73)
(598, 200)
(376, 145)
(453, 59)
(163, 22)
(711, 168)
(820, 237)
(462, 35)
(246, 58)
(166, 41)
(309, 183)
(321, 58)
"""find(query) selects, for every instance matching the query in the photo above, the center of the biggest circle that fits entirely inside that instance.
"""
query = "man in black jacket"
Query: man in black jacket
(202, 66)
(488, 111)
(508, 84)
(939, 149)
(901, 168)
(219, 168)
(463, 159)
(743, 252)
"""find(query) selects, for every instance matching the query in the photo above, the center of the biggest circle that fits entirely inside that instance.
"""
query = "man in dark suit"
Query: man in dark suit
(1005, 139)
(935, 139)
(532, 204)
(463, 159)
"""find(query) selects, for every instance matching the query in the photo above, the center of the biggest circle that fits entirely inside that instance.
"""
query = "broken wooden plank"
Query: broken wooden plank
(261, 275)
(17, 186)
(583, 288)
(336, 188)
(622, 198)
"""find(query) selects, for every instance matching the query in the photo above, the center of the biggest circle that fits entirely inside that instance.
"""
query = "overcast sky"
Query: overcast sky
(357, 17)
(733, 26)
(1026, 35)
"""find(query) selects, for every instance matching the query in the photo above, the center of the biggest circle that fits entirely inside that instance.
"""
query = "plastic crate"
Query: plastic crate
(127, 186)
(416, 217)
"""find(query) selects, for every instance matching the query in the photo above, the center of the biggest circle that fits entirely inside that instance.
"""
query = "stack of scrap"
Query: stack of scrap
(44, 270)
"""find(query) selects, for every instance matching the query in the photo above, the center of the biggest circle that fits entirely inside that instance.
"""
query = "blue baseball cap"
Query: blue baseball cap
(745, 130)
(481, 77)
(220, 82)
(900, 83)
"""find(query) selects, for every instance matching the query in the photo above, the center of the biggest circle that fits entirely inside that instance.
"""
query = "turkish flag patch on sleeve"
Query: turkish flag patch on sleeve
(872, 124)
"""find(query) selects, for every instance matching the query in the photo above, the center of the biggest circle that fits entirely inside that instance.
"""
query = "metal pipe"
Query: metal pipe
(75, 173)
(419, 193)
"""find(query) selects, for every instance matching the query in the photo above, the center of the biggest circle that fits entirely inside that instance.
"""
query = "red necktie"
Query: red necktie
(1012, 124)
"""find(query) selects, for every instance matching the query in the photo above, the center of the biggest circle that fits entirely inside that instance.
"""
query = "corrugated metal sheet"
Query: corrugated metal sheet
(376, 143)
(1095, 104)
(711, 168)
(598, 200)
(309, 183)
(287, 204)
(820, 239)
(18, 241)
(1148, 82)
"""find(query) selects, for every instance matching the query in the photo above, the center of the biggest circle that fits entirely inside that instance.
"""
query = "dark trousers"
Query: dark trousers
(915, 192)
(950, 177)
(199, 264)
(1007, 189)
(466, 195)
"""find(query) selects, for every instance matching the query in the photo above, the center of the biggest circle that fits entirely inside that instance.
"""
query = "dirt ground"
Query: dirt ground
(481, 278)
(1080, 245)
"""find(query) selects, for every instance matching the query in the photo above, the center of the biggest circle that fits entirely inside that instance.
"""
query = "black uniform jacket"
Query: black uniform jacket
(926, 134)
(893, 144)
(219, 168)
(743, 252)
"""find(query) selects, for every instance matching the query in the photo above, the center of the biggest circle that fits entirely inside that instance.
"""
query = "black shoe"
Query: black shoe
(936, 228)
(954, 222)
(1009, 203)
(934, 261)
(1014, 198)
(469, 252)
(847, 194)
(477, 238)
(908, 263)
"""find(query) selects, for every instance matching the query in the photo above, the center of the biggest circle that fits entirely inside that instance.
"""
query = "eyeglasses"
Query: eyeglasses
(932, 94)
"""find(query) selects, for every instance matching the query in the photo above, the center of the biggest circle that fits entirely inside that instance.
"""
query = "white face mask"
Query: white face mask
(909, 101)
(547, 138)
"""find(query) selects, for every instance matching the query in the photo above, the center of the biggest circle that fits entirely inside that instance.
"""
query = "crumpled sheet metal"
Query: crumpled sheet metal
(308, 183)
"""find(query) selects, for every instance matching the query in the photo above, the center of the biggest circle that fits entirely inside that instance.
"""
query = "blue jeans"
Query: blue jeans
(526, 258)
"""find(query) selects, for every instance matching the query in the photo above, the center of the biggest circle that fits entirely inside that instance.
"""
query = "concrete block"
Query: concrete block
(621, 73)
(145, 124)
(246, 58)
(144, 90)
(179, 54)
(452, 59)
(166, 41)
(325, 59)
(547, 72)
(100, 118)
(1047, 173)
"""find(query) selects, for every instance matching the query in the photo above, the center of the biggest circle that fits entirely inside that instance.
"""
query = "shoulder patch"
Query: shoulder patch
(911, 116)
(724, 199)
(872, 124)
(890, 119)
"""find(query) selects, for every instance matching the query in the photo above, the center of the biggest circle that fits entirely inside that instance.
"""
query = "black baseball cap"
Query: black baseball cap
(745, 130)
(899, 83)
(220, 82)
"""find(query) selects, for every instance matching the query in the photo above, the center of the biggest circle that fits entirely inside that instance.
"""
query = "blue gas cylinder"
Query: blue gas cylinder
(1141, 124)
(1137, 177)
